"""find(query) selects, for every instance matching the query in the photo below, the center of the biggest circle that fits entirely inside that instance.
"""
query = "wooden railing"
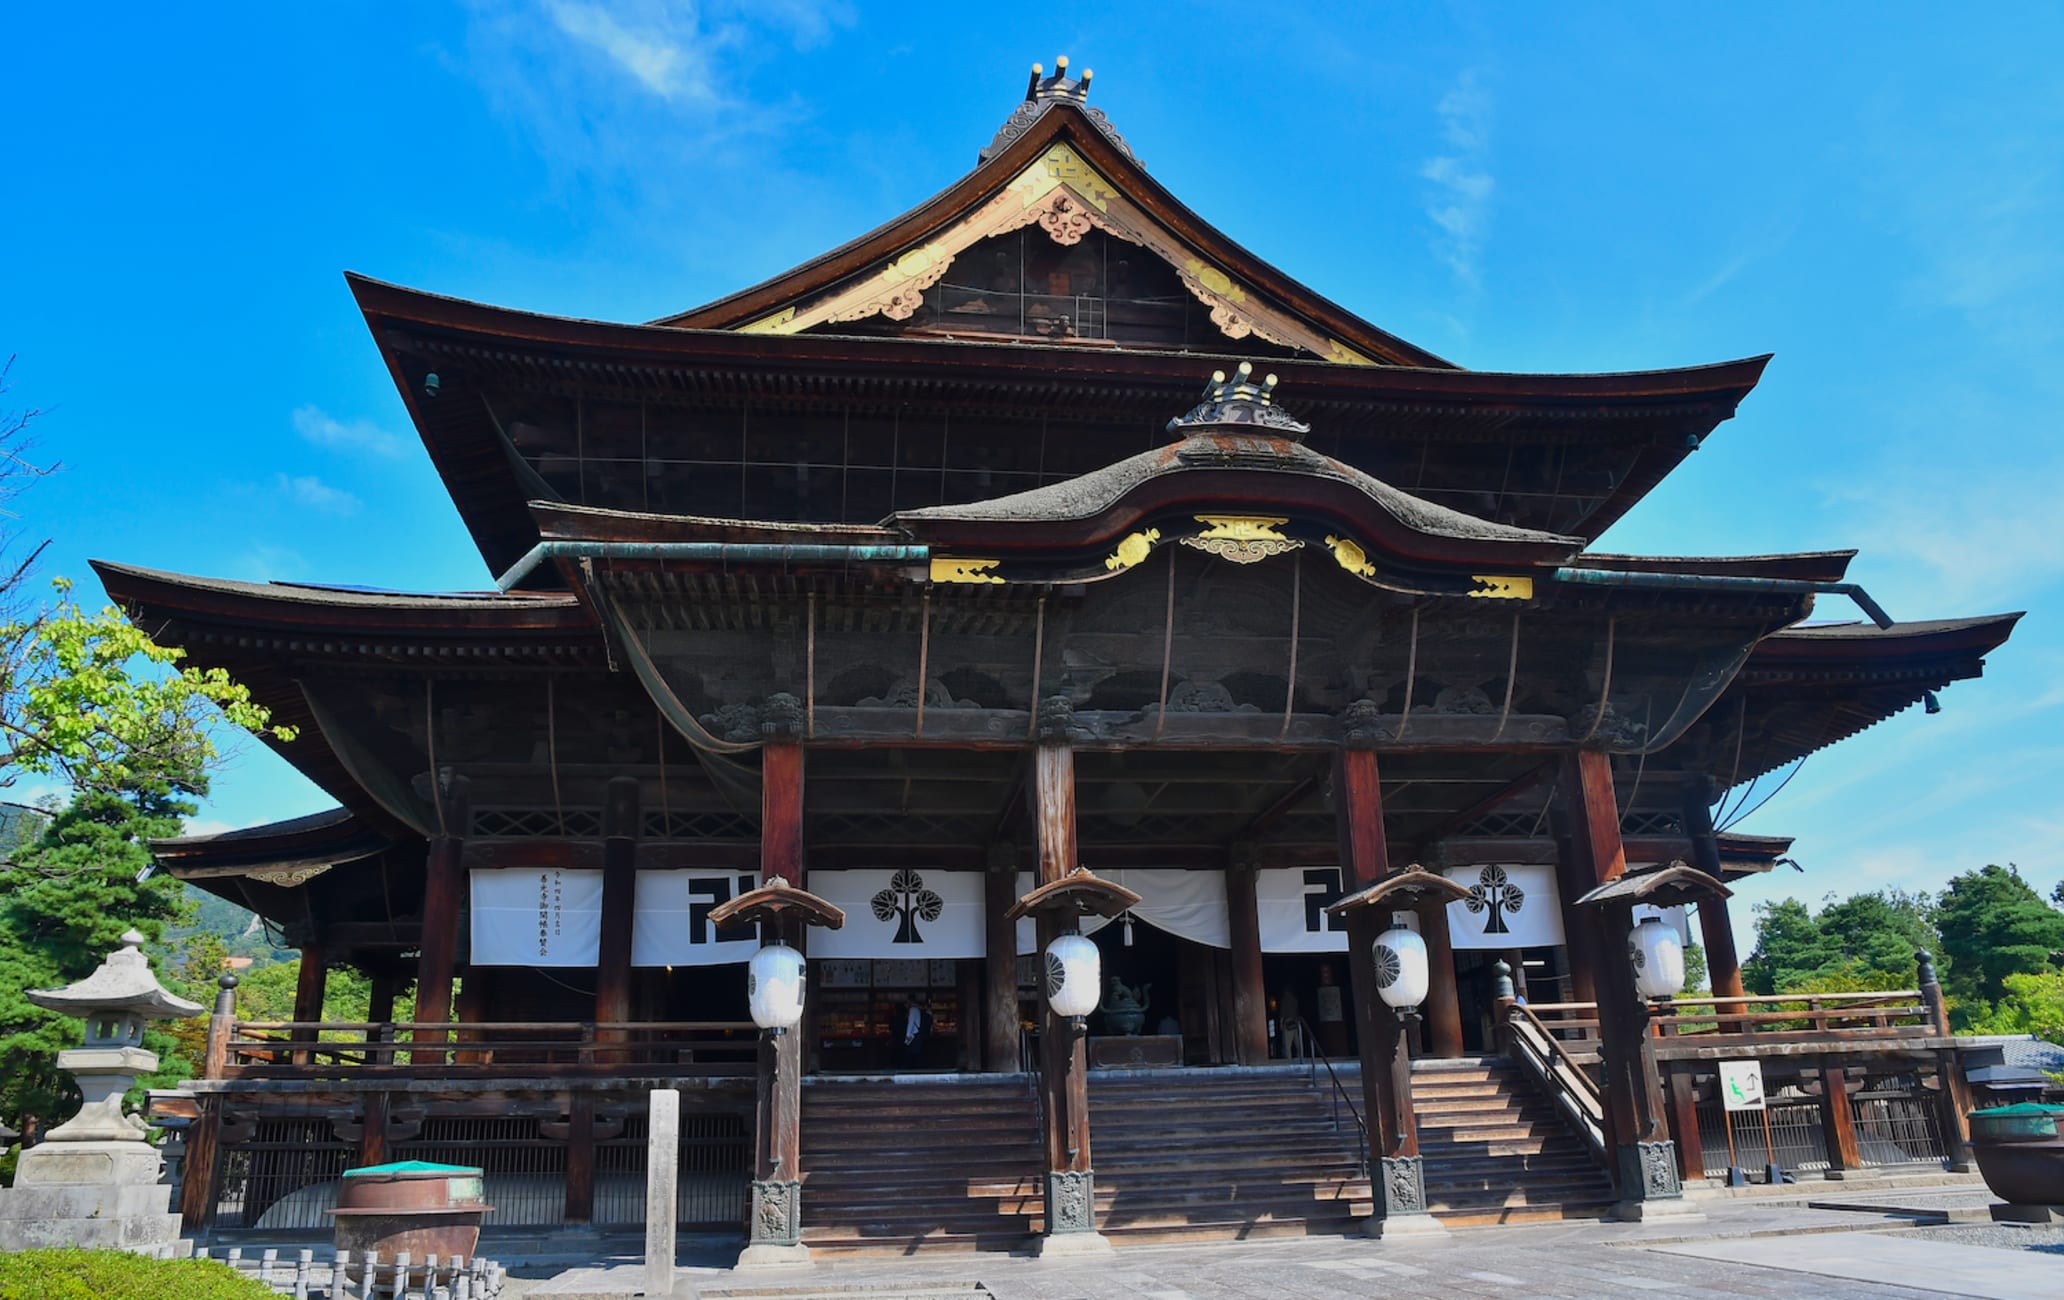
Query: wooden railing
(1555, 1042)
(1793, 1017)
(408, 1049)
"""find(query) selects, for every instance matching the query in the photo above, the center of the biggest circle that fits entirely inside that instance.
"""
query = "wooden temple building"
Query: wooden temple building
(1041, 529)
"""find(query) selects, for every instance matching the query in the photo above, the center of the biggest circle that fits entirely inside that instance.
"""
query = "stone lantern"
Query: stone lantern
(93, 1181)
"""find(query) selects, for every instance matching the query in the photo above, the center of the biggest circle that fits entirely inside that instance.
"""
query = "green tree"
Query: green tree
(1789, 948)
(1863, 942)
(1993, 926)
(2032, 1003)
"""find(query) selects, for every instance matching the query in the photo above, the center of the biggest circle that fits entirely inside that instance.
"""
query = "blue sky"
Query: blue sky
(1876, 195)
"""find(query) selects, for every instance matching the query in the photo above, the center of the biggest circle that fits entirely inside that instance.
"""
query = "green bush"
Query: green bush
(117, 1275)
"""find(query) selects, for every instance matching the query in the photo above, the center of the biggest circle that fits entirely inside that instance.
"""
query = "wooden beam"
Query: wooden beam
(1250, 996)
(1498, 798)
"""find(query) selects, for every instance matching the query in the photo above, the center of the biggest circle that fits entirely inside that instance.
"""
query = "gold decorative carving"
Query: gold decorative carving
(1134, 548)
(1065, 196)
(1501, 588)
(289, 877)
(1350, 556)
(1243, 539)
(951, 569)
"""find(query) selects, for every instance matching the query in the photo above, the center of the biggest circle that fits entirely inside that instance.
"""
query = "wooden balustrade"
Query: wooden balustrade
(1790, 1017)
(434, 1050)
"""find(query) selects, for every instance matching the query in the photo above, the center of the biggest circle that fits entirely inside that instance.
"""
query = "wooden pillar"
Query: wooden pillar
(1952, 1093)
(444, 891)
(774, 1218)
(372, 1137)
(619, 897)
(1396, 1172)
(1723, 962)
(1443, 999)
(967, 1002)
(580, 1158)
(1636, 1123)
(1064, 1052)
(203, 1137)
(1684, 1126)
(1572, 881)
(310, 982)
(1250, 994)
(384, 988)
(1838, 1123)
(1000, 962)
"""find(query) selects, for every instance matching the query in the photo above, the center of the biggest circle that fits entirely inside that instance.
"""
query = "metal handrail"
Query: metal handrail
(1312, 1060)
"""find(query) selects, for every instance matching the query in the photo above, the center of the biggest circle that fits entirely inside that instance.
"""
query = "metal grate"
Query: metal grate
(1522, 825)
(1651, 823)
(282, 1179)
(525, 1171)
(536, 823)
(698, 826)
(715, 1171)
(1895, 1122)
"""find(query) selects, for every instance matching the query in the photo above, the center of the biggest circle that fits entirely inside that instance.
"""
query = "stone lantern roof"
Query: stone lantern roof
(122, 983)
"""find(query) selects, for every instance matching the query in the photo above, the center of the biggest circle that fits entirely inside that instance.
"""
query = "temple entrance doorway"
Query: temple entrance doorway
(1311, 1010)
(1186, 988)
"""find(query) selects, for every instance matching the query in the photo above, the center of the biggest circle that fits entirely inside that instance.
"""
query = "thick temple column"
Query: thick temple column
(1635, 1118)
(1000, 962)
(1250, 996)
(1396, 1173)
(774, 1219)
(1443, 999)
(1064, 1053)
(1572, 881)
(619, 896)
(444, 890)
(384, 988)
(310, 983)
(1716, 928)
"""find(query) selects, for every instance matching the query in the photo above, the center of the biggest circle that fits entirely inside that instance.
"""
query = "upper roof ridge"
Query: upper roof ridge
(1042, 92)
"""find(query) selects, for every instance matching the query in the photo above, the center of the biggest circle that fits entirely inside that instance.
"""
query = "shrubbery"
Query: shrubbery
(116, 1275)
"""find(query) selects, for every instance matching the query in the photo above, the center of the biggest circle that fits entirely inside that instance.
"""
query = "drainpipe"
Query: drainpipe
(1727, 583)
(712, 552)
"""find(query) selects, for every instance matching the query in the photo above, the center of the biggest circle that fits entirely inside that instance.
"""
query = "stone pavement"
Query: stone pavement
(1741, 1250)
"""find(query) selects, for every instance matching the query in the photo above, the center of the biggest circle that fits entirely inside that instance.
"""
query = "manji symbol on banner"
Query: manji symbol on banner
(1509, 906)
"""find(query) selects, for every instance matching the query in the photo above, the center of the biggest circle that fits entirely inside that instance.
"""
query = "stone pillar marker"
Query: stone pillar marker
(662, 1188)
(93, 1182)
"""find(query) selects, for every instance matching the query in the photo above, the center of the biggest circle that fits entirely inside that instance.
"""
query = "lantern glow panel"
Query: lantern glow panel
(1658, 959)
(1074, 976)
(774, 987)
(1401, 968)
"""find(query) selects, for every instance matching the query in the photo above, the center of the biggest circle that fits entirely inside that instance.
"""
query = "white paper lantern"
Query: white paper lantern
(1074, 975)
(774, 987)
(1658, 959)
(1401, 970)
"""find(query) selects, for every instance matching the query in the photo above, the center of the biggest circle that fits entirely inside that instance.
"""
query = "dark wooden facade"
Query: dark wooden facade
(927, 553)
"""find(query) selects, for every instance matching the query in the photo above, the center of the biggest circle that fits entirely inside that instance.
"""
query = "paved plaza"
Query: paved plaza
(1742, 1249)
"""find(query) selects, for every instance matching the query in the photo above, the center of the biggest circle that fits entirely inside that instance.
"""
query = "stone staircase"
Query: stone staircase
(894, 1166)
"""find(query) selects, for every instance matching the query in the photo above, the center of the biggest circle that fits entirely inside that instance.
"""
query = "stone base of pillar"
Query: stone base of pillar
(1067, 1245)
(775, 1218)
(1399, 1185)
(768, 1255)
(1071, 1205)
(1398, 1227)
(1679, 1210)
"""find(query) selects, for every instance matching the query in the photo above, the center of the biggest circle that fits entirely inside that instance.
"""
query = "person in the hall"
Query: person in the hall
(1332, 1013)
(914, 1034)
(1289, 1024)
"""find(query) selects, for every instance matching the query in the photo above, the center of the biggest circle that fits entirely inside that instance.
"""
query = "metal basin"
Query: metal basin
(412, 1206)
(2020, 1153)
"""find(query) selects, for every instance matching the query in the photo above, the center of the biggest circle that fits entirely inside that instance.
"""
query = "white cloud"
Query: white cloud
(650, 52)
(1459, 204)
(312, 492)
(324, 430)
(205, 826)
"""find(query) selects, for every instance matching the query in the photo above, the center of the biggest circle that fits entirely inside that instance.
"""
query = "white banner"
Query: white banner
(904, 912)
(547, 916)
(1187, 904)
(670, 919)
(1510, 906)
(1292, 902)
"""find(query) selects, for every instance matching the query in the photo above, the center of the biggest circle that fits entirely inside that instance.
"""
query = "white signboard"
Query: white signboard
(544, 916)
(670, 921)
(904, 912)
(1292, 903)
(1741, 1085)
(1509, 906)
